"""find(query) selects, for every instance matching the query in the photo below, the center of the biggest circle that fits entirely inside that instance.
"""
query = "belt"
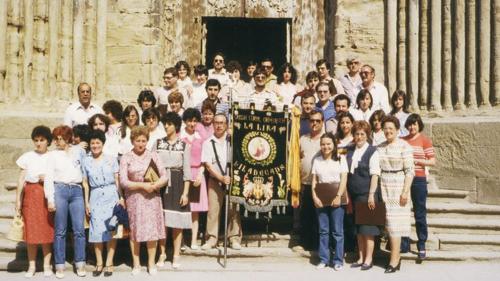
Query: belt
(69, 184)
(392, 171)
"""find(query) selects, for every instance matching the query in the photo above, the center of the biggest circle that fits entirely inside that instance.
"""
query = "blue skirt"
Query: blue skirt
(102, 201)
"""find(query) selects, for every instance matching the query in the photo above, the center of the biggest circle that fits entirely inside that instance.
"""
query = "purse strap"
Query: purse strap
(217, 158)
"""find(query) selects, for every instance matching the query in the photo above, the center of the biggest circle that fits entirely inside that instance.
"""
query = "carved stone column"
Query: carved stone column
(484, 52)
(3, 44)
(446, 14)
(401, 46)
(413, 54)
(459, 53)
(496, 45)
(13, 51)
(423, 57)
(391, 44)
(78, 54)
(470, 18)
(102, 6)
(436, 55)
(66, 86)
(28, 50)
(54, 22)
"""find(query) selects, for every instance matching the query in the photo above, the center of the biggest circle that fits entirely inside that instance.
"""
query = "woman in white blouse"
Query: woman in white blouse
(363, 110)
(151, 118)
(64, 193)
(129, 121)
(287, 83)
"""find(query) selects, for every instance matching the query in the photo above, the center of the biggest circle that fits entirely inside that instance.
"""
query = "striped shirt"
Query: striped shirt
(422, 150)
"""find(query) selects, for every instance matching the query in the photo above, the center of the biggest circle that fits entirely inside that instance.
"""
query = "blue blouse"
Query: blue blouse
(100, 173)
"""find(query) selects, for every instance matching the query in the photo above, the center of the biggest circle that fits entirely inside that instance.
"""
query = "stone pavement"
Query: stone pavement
(279, 268)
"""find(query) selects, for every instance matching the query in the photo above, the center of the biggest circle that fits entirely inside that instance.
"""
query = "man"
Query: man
(251, 66)
(351, 80)
(342, 104)
(307, 104)
(199, 91)
(80, 112)
(212, 88)
(219, 72)
(261, 97)
(309, 148)
(214, 157)
(312, 80)
(323, 67)
(170, 77)
(271, 79)
(325, 103)
(378, 91)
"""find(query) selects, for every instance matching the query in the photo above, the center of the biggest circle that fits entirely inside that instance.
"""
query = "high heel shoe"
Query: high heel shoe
(392, 269)
(98, 270)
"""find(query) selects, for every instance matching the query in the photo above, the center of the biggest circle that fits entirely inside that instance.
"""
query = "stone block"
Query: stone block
(138, 54)
(456, 182)
(127, 74)
(130, 6)
(11, 149)
(124, 92)
(19, 127)
(487, 134)
(488, 190)
(126, 36)
(482, 161)
(459, 135)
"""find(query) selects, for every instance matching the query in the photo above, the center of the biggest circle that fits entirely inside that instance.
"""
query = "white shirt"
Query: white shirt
(64, 167)
(380, 96)
(378, 138)
(222, 76)
(374, 163)
(157, 133)
(351, 85)
(328, 170)
(199, 93)
(76, 114)
(260, 99)
(402, 116)
(125, 142)
(161, 95)
(359, 114)
(286, 92)
(186, 83)
(207, 152)
(35, 165)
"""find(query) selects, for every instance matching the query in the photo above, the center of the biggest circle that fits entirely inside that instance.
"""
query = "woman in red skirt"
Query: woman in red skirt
(31, 203)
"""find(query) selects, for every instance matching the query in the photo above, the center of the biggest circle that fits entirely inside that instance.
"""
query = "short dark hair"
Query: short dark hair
(259, 70)
(101, 117)
(334, 138)
(339, 117)
(200, 69)
(379, 114)
(292, 71)
(97, 134)
(191, 113)
(415, 118)
(211, 83)
(220, 54)
(148, 113)
(266, 59)
(42, 131)
(394, 98)
(342, 97)
(146, 95)
(172, 118)
(185, 64)
(311, 75)
(172, 71)
(233, 65)
(208, 105)
(307, 95)
(115, 108)
(361, 95)
(322, 84)
(82, 131)
(370, 67)
(391, 119)
(323, 61)
(251, 62)
(316, 111)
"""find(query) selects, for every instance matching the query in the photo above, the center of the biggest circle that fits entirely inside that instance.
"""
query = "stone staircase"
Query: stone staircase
(458, 231)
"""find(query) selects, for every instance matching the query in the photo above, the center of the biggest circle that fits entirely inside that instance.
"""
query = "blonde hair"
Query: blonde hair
(139, 131)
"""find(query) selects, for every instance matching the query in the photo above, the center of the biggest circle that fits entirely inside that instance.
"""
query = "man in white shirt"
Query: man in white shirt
(199, 91)
(219, 72)
(378, 91)
(261, 97)
(215, 156)
(323, 67)
(80, 112)
(351, 80)
(170, 77)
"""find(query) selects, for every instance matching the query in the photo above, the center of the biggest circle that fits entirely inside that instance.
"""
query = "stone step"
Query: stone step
(476, 242)
(432, 243)
(446, 196)
(7, 210)
(9, 186)
(463, 211)
(463, 226)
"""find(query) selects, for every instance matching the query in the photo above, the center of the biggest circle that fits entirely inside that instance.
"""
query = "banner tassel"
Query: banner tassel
(246, 213)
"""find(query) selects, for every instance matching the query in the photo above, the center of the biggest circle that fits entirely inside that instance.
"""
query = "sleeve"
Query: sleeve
(339, 87)
(206, 152)
(22, 162)
(186, 163)
(374, 164)
(428, 148)
(314, 167)
(48, 184)
(343, 165)
(408, 164)
(85, 165)
(384, 99)
(159, 164)
(124, 163)
(115, 166)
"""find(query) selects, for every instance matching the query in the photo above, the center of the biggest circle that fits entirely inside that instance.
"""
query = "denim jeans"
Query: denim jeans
(69, 200)
(331, 224)
(419, 198)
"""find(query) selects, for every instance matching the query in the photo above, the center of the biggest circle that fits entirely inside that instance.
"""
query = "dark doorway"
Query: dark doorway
(244, 39)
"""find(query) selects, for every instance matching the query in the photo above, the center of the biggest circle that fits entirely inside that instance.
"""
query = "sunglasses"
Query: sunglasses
(218, 60)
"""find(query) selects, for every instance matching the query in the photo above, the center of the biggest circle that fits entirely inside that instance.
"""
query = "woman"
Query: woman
(145, 100)
(205, 128)
(423, 157)
(363, 110)
(175, 154)
(189, 135)
(151, 118)
(287, 79)
(397, 170)
(330, 169)
(129, 121)
(378, 136)
(344, 130)
(239, 88)
(38, 221)
(362, 182)
(175, 100)
(64, 193)
(400, 103)
(143, 198)
(102, 123)
(100, 180)
(184, 70)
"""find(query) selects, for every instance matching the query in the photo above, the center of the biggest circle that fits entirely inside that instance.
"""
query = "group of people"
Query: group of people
(150, 159)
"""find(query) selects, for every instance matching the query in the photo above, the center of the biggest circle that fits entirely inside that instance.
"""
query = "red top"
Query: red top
(422, 150)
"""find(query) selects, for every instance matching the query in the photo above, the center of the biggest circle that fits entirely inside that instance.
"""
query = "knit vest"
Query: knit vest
(358, 183)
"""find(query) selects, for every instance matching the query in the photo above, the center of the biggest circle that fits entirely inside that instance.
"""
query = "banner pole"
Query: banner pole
(229, 173)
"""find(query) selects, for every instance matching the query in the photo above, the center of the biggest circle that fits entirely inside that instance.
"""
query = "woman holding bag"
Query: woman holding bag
(329, 179)
(38, 221)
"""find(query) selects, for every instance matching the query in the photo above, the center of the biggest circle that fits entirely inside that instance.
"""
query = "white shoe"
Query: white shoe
(207, 246)
(153, 271)
(81, 272)
(195, 247)
(47, 271)
(59, 274)
(235, 245)
(175, 262)
(321, 266)
(136, 271)
(161, 261)
(338, 267)
(30, 272)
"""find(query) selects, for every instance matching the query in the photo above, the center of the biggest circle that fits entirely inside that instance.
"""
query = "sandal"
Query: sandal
(97, 271)
(108, 271)
(47, 271)
(30, 272)
(176, 262)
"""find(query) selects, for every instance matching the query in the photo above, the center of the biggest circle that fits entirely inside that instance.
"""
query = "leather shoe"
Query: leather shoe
(392, 269)
(366, 266)
(421, 255)
(356, 265)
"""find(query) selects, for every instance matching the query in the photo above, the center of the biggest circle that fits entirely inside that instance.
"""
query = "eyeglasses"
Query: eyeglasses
(267, 66)
(218, 60)
(353, 62)
(315, 120)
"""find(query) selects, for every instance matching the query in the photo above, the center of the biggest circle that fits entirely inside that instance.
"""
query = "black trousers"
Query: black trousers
(308, 230)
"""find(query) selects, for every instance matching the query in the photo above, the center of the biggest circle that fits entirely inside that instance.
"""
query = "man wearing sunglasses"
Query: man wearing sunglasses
(378, 91)
(351, 80)
(271, 79)
(261, 97)
(219, 72)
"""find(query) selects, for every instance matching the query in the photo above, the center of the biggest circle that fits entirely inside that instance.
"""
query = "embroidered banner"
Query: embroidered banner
(259, 159)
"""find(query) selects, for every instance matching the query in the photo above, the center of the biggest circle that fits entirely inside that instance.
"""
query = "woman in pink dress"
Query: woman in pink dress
(205, 128)
(189, 135)
(143, 199)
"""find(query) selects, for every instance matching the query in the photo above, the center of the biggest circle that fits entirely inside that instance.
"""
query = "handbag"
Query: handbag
(194, 193)
(16, 231)
(152, 173)
(363, 214)
(326, 192)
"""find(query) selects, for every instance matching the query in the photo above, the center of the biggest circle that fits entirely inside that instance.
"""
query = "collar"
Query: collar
(80, 106)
